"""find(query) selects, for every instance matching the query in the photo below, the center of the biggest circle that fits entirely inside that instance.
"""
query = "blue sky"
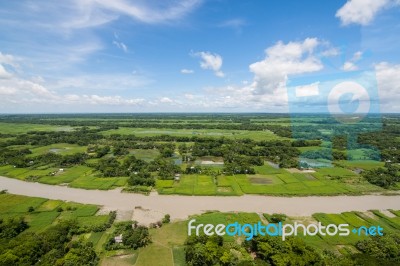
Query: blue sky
(190, 55)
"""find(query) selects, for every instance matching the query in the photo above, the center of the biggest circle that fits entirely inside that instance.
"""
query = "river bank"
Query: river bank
(180, 207)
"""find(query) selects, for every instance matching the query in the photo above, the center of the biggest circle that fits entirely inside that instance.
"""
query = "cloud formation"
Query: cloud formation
(121, 46)
(362, 12)
(211, 61)
(282, 60)
(10, 61)
(187, 71)
(388, 78)
(350, 65)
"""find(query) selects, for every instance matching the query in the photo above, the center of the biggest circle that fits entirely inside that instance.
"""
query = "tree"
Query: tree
(80, 253)
(166, 219)
(142, 178)
(12, 227)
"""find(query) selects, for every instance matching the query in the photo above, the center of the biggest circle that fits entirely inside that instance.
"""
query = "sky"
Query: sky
(117, 56)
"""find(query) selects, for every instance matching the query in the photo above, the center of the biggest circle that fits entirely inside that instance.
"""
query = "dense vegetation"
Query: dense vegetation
(54, 246)
(267, 250)
(52, 232)
(143, 151)
(133, 236)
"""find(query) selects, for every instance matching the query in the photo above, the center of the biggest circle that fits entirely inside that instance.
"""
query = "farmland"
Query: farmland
(170, 240)
(201, 154)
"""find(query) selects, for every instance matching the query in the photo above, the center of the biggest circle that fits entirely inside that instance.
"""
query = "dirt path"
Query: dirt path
(180, 207)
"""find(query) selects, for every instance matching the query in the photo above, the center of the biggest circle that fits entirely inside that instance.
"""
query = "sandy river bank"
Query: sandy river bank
(180, 207)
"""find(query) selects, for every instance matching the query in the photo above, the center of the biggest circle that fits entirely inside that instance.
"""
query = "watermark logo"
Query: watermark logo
(279, 229)
(347, 104)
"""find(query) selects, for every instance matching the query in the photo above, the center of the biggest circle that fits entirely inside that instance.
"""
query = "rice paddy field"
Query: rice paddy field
(271, 181)
(168, 241)
(47, 212)
(234, 134)
(142, 135)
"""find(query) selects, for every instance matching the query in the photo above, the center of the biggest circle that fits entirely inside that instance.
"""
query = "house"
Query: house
(118, 239)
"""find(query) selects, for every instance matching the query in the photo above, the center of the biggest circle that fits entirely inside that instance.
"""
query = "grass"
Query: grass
(49, 205)
(167, 244)
(58, 148)
(145, 154)
(95, 237)
(271, 181)
(147, 256)
(40, 221)
(92, 182)
(92, 220)
(179, 256)
(16, 128)
(10, 203)
(45, 212)
(168, 241)
(234, 134)
(67, 176)
(362, 164)
(354, 219)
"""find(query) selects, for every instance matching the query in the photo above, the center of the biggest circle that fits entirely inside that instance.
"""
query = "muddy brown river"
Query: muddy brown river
(180, 207)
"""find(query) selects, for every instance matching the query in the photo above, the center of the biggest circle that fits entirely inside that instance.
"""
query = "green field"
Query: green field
(169, 240)
(75, 150)
(47, 212)
(7, 128)
(271, 181)
(238, 134)
(59, 148)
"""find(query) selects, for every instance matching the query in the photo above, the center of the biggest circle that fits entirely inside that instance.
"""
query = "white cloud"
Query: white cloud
(121, 46)
(282, 60)
(362, 11)
(80, 14)
(108, 100)
(187, 71)
(211, 61)
(166, 100)
(148, 13)
(189, 96)
(19, 91)
(234, 23)
(8, 59)
(330, 52)
(350, 65)
(237, 24)
(308, 90)
(4, 74)
(357, 56)
(84, 14)
(237, 98)
(101, 82)
(267, 91)
(388, 78)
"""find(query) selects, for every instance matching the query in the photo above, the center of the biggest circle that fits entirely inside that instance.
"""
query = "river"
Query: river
(180, 207)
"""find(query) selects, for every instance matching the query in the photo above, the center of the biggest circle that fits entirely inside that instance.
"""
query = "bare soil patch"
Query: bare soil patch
(260, 180)
(298, 171)
(224, 189)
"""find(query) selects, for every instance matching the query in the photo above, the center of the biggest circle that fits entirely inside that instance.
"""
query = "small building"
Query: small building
(118, 239)
(61, 170)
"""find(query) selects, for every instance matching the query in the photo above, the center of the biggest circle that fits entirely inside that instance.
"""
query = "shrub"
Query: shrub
(166, 219)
